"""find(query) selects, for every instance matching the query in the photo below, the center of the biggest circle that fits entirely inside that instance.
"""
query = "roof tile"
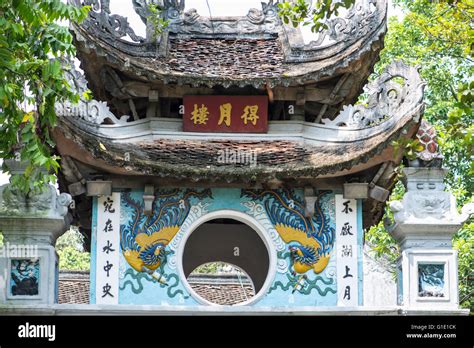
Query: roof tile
(241, 58)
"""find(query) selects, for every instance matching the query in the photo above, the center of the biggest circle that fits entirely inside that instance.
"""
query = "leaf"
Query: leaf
(29, 116)
(102, 147)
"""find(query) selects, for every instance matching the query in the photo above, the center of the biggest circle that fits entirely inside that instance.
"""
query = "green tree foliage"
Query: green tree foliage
(379, 240)
(438, 36)
(71, 252)
(209, 268)
(73, 260)
(31, 79)
(155, 17)
(312, 13)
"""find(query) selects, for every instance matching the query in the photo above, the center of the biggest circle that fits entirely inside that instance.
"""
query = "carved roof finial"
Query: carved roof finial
(430, 156)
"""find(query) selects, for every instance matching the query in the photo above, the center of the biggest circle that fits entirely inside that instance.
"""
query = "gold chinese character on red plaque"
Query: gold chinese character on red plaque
(250, 114)
(225, 113)
(200, 115)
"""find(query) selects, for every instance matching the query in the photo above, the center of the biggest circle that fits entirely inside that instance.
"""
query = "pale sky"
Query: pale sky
(217, 8)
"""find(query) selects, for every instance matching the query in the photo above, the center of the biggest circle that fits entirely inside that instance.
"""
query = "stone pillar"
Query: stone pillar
(30, 226)
(425, 222)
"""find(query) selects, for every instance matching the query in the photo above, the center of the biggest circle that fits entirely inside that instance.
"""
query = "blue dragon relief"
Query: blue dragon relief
(144, 239)
(310, 240)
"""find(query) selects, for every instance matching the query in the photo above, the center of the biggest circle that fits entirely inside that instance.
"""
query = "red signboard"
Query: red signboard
(220, 114)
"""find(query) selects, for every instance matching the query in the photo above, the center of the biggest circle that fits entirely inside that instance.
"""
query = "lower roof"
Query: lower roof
(221, 160)
(358, 138)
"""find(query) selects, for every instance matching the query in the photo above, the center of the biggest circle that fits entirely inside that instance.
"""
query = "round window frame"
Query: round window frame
(250, 222)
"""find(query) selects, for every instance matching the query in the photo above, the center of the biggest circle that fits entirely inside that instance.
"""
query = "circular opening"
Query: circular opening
(221, 283)
(222, 254)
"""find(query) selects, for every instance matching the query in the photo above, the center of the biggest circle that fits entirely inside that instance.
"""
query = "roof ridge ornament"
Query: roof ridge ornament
(364, 24)
(363, 18)
(104, 24)
(357, 22)
(388, 97)
(91, 111)
(257, 21)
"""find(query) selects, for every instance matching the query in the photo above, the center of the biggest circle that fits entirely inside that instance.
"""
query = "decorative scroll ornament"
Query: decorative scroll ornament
(104, 24)
(190, 22)
(173, 9)
(364, 19)
(359, 21)
(397, 91)
(92, 111)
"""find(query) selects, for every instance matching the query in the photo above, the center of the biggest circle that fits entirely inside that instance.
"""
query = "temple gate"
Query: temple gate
(231, 139)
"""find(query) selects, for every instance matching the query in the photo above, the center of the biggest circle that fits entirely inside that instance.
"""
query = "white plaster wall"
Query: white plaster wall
(380, 287)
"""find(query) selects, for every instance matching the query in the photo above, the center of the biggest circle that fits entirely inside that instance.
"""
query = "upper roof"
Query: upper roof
(257, 49)
(226, 58)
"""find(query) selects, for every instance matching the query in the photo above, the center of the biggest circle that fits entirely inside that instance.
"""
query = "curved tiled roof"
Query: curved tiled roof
(199, 160)
(222, 289)
(73, 287)
(226, 58)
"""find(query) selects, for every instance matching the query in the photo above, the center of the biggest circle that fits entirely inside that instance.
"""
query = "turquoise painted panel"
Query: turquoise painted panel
(431, 280)
(24, 277)
(92, 273)
(305, 266)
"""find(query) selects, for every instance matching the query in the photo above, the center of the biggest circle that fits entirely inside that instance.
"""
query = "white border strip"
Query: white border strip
(108, 280)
